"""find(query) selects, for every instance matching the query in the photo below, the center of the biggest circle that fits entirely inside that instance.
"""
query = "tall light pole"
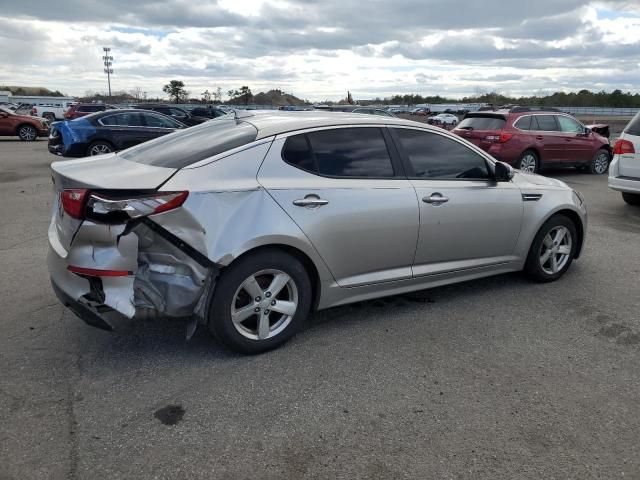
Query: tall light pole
(108, 61)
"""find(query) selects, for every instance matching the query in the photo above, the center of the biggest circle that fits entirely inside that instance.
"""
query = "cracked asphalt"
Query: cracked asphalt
(496, 378)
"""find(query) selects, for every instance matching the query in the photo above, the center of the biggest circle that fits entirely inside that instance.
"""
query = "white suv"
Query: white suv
(624, 172)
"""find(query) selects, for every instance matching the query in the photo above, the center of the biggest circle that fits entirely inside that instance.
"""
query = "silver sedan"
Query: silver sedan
(248, 223)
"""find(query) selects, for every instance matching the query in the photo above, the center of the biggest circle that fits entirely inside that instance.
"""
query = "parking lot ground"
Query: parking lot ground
(495, 378)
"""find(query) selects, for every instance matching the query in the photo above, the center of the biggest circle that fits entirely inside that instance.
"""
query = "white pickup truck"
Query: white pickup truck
(49, 110)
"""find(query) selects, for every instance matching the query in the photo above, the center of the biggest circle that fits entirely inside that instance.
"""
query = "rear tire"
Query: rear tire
(600, 162)
(552, 250)
(252, 312)
(99, 148)
(49, 117)
(529, 162)
(631, 198)
(27, 133)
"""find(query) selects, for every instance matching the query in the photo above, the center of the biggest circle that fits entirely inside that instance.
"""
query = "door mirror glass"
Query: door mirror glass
(503, 172)
(586, 131)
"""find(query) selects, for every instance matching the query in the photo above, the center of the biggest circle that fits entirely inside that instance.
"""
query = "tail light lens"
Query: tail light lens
(623, 146)
(81, 203)
(117, 209)
(73, 201)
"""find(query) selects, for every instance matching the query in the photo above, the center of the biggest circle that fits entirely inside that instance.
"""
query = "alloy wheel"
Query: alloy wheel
(528, 163)
(264, 304)
(99, 149)
(601, 163)
(555, 250)
(27, 133)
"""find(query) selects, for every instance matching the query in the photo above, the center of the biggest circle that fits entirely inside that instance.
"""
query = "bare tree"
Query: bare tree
(136, 92)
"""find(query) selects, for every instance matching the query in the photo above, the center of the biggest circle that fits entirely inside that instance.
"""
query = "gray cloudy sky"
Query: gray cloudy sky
(318, 50)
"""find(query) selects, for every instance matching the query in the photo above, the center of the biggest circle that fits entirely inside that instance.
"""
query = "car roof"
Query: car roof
(275, 122)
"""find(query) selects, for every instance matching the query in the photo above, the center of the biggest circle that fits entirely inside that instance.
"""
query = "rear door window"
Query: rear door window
(489, 122)
(297, 152)
(159, 121)
(633, 128)
(547, 123)
(434, 156)
(351, 152)
(128, 119)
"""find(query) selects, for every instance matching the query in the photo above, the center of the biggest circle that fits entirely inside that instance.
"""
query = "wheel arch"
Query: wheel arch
(577, 221)
(98, 140)
(301, 256)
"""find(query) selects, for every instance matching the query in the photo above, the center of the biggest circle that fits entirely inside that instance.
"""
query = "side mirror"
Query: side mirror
(503, 172)
(586, 131)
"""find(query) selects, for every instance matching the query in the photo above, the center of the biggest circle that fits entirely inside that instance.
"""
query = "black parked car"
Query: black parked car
(208, 112)
(189, 119)
(108, 131)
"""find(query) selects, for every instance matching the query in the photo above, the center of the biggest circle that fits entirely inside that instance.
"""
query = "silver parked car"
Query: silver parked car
(246, 224)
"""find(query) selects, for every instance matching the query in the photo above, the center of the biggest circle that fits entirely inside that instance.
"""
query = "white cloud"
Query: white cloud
(321, 50)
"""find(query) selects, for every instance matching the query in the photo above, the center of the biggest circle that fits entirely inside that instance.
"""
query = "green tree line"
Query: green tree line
(583, 98)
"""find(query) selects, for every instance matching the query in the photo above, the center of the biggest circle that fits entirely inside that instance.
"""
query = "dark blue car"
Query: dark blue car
(108, 131)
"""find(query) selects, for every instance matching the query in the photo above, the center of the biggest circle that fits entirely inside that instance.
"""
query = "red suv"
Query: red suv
(532, 138)
(82, 109)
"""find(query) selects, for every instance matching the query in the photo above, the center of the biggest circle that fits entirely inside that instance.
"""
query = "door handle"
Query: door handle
(310, 201)
(435, 199)
(567, 139)
(539, 137)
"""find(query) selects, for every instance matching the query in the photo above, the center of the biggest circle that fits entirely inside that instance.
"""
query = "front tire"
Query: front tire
(552, 250)
(600, 162)
(27, 133)
(631, 198)
(260, 302)
(529, 162)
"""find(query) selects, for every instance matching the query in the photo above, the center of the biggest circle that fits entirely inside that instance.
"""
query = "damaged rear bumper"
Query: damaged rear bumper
(164, 275)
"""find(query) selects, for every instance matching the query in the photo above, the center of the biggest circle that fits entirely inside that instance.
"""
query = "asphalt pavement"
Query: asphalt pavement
(495, 378)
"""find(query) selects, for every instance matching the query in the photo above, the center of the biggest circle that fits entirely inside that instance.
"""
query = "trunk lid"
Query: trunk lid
(103, 172)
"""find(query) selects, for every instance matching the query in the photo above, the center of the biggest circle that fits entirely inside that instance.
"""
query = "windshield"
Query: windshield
(193, 144)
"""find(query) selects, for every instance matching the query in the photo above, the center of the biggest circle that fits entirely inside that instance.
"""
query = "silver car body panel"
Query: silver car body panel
(374, 237)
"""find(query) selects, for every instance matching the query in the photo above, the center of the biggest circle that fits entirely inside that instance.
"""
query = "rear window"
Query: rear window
(191, 145)
(488, 122)
(633, 128)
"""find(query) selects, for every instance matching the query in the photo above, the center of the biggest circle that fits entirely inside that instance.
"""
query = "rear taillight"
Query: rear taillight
(502, 138)
(623, 146)
(73, 201)
(81, 203)
(109, 209)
